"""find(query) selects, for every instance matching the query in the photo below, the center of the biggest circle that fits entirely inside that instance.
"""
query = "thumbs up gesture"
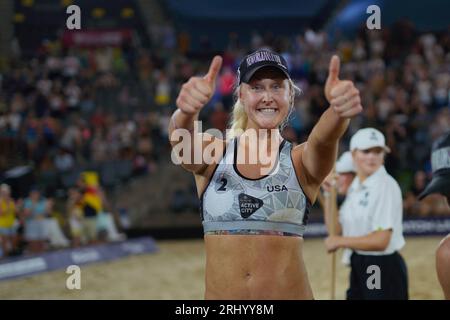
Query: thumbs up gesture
(342, 95)
(196, 93)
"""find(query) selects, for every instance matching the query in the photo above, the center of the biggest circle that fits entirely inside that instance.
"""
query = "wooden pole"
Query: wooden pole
(332, 214)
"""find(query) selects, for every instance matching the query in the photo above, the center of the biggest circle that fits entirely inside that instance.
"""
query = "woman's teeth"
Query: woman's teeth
(268, 110)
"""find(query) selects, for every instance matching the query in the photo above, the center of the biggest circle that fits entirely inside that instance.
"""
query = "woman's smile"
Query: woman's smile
(267, 112)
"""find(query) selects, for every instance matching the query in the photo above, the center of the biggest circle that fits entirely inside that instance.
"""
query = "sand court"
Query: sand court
(176, 272)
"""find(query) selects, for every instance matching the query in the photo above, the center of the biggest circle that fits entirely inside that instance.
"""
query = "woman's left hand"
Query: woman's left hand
(332, 243)
(342, 95)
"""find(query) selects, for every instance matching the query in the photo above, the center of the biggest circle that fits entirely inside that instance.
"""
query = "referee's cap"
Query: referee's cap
(345, 163)
(259, 59)
(440, 165)
(368, 138)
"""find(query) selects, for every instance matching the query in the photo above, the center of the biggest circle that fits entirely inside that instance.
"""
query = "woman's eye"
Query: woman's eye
(256, 88)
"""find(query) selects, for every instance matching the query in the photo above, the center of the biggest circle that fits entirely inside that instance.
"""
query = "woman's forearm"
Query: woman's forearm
(181, 120)
(329, 129)
(376, 241)
(322, 145)
(187, 141)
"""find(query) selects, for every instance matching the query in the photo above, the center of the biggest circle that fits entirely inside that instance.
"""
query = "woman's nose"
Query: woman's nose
(267, 96)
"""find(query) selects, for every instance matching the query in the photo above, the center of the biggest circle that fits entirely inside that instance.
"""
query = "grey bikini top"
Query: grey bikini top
(274, 202)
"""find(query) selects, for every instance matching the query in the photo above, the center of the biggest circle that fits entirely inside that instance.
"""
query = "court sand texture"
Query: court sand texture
(176, 271)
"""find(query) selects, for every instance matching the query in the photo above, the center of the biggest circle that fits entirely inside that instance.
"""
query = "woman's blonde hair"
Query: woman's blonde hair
(239, 117)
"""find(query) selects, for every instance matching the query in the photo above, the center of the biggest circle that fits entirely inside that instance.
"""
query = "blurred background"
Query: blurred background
(84, 113)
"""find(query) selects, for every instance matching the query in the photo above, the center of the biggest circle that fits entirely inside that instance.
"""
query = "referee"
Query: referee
(440, 163)
(370, 224)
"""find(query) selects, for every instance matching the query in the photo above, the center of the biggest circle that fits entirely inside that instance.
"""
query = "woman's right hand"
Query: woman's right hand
(196, 93)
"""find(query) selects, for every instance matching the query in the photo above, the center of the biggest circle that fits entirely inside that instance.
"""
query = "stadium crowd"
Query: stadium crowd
(66, 108)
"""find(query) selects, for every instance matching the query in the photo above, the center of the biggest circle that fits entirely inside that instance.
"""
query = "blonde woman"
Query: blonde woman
(254, 211)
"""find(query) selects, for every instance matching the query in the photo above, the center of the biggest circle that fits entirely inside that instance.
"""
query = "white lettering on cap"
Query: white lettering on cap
(263, 56)
(440, 159)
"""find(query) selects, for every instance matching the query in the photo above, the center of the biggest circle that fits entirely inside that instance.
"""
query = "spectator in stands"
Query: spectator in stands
(225, 86)
(76, 219)
(433, 205)
(98, 224)
(8, 223)
(56, 237)
(411, 203)
(35, 209)
(178, 201)
(219, 118)
(91, 204)
(64, 160)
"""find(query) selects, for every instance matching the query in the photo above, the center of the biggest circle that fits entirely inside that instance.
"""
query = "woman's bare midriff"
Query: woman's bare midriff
(255, 267)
